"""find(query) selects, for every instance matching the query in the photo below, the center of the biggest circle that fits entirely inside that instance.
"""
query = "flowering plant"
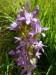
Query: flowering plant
(28, 50)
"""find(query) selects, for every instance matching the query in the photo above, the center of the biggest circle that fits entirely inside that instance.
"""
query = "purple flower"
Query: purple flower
(28, 49)
(26, 15)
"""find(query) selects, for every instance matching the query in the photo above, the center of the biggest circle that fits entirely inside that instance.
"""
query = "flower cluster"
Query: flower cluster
(28, 50)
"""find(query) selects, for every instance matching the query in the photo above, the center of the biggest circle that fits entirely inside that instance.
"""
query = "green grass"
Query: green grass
(9, 10)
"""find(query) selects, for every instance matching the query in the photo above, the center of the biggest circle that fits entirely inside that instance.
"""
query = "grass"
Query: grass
(9, 10)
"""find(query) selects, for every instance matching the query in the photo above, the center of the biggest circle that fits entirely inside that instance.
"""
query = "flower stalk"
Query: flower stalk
(28, 50)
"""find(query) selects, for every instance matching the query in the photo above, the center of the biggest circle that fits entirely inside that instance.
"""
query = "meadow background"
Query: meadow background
(9, 9)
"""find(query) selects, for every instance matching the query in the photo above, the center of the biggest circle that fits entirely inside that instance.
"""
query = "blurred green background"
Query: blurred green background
(9, 9)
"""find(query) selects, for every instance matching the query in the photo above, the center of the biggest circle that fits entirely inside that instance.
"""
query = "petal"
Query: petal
(23, 71)
(22, 13)
(18, 63)
(32, 66)
(36, 26)
(12, 53)
(40, 42)
(34, 19)
(17, 39)
(43, 50)
(32, 33)
(43, 35)
(28, 21)
(28, 17)
(27, 6)
(21, 18)
(13, 26)
(33, 25)
(18, 47)
(38, 22)
(36, 11)
(23, 64)
(45, 28)
(28, 72)
(38, 54)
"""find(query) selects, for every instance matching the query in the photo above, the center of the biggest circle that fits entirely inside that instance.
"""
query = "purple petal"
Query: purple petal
(23, 63)
(13, 26)
(18, 63)
(28, 17)
(32, 33)
(36, 11)
(33, 25)
(23, 71)
(12, 53)
(38, 22)
(18, 47)
(27, 6)
(22, 13)
(18, 23)
(34, 19)
(39, 45)
(28, 72)
(45, 28)
(35, 42)
(21, 18)
(38, 27)
(32, 66)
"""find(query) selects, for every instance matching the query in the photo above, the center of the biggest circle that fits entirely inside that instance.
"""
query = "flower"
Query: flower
(39, 45)
(28, 50)
(38, 54)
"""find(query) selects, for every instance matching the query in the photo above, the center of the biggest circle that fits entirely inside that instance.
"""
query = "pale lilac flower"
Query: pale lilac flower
(39, 45)
(38, 54)
(27, 16)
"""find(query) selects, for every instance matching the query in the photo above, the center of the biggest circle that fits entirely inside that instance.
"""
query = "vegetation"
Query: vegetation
(9, 9)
